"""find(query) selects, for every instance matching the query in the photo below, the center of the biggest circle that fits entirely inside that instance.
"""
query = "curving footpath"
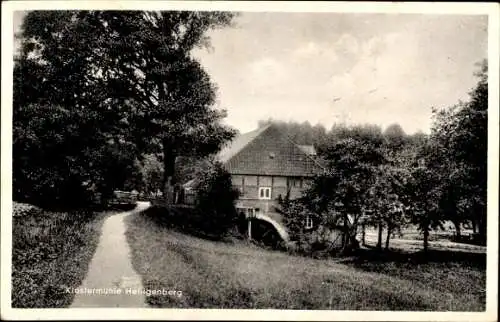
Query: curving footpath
(111, 280)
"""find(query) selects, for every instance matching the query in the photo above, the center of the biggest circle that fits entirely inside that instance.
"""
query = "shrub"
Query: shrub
(215, 199)
(294, 217)
(60, 159)
(50, 251)
(327, 236)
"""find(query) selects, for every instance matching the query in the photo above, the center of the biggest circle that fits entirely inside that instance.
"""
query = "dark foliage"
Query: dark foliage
(50, 251)
(457, 155)
(215, 199)
(213, 215)
(295, 213)
(96, 90)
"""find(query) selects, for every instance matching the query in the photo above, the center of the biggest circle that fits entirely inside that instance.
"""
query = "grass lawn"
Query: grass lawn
(51, 251)
(213, 274)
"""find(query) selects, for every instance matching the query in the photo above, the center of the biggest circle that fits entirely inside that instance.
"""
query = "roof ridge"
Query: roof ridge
(257, 133)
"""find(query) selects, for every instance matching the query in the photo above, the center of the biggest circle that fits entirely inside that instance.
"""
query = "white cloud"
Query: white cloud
(391, 74)
(267, 68)
(379, 88)
(348, 44)
(382, 86)
(265, 75)
(313, 51)
(309, 49)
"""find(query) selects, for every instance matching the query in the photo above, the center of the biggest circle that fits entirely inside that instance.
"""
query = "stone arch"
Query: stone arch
(280, 229)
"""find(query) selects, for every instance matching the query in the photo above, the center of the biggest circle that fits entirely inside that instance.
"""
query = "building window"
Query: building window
(264, 193)
(309, 223)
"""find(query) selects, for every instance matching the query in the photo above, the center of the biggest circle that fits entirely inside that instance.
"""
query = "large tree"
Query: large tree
(424, 192)
(459, 156)
(395, 136)
(119, 80)
(342, 195)
(386, 201)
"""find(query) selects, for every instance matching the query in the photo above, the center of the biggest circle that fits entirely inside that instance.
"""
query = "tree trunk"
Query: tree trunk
(480, 216)
(380, 230)
(458, 232)
(345, 241)
(482, 231)
(426, 238)
(388, 238)
(474, 226)
(168, 173)
(363, 234)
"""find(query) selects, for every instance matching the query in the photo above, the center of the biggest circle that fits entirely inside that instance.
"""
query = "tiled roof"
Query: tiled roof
(238, 143)
(267, 151)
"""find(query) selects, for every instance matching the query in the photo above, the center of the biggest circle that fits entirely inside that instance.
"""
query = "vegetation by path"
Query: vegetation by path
(214, 274)
(50, 253)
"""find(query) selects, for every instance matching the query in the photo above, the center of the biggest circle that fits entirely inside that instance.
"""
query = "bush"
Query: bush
(324, 238)
(50, 251)
(61, 160)
(294, 217)
(215, 200)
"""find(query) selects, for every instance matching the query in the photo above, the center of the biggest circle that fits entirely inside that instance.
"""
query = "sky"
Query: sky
(343, 67)
(352, 68)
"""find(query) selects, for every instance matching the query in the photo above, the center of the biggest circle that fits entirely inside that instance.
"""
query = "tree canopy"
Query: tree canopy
(92, 88)
(457, 154)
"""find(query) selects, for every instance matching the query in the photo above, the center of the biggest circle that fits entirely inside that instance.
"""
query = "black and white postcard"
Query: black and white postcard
(250, 160)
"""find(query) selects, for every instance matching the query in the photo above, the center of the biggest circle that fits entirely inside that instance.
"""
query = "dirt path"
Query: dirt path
(111, 280)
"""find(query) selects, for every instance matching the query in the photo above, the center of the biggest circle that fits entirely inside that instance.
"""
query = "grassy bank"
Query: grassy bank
(213, 274)
(184, 219)
(51, 252)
